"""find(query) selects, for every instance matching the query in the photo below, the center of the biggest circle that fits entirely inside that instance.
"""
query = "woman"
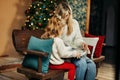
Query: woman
(53, 30)
(85, 67)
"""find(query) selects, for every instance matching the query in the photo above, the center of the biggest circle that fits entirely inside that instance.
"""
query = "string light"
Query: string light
(38, 14)
(34, 6)
(38, 4)
(31, 23)
(44, 18)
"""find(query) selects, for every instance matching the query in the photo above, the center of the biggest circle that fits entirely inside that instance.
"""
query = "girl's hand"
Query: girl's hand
(84, 46)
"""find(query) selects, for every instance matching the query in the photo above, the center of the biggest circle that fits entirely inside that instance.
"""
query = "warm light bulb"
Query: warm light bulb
(31, 23)
(38, 4)
(44, 18)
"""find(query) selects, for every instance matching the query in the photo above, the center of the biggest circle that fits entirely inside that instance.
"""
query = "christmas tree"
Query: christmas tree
(38, 14)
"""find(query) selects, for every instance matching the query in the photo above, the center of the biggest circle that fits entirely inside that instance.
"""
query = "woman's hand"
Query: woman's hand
(84, 46)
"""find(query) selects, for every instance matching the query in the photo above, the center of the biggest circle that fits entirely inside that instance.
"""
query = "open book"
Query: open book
(81, 51)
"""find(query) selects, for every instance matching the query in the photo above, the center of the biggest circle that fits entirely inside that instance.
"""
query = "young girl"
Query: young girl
(59, 51)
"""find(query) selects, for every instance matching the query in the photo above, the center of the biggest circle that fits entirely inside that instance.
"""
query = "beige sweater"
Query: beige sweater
(59, 51)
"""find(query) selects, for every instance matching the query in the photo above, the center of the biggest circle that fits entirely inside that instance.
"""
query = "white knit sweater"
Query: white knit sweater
(59, 51)
(75, 38)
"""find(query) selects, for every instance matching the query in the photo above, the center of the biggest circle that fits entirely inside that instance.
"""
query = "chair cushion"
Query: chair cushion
(44, 45)
(98, 49)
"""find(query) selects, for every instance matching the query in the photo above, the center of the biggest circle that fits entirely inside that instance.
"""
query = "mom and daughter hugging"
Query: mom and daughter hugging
(68, 43)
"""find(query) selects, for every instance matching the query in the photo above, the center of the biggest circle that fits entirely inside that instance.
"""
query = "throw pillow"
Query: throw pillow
(44, 45)
(98, 49)
(91, 42)
(90, 48)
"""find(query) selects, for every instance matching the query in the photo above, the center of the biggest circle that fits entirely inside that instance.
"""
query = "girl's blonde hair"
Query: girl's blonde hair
(54, 27)
(62, 10)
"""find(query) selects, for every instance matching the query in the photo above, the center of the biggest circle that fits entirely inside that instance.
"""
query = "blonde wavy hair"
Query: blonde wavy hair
(63, 9)
(54, 27)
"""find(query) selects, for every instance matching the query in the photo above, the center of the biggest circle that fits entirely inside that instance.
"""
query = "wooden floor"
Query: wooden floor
(106, 72)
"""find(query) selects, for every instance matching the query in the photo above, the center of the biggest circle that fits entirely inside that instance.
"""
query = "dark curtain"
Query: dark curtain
(96, 12)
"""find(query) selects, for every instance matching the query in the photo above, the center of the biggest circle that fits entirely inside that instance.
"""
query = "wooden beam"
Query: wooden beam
(88, 16)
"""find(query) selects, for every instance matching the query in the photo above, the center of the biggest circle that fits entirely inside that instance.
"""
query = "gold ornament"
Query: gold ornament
(46, 8)
(28, 16)
(26, 20)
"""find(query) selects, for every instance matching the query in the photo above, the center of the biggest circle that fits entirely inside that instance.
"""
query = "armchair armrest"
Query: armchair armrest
(37, 53)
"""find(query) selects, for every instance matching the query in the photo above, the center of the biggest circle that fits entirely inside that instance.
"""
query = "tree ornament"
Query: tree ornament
(41, 17)
(26, 20)
(39, 24)
(33, 0)
(46, 8)
(28, 17)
